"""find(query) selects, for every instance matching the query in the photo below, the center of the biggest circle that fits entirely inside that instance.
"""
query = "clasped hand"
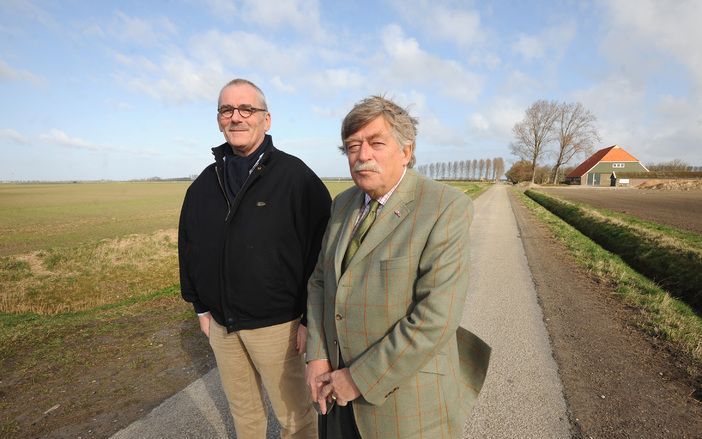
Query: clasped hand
(328, 386)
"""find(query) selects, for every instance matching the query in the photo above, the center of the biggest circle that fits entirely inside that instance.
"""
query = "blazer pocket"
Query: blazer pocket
(396, 275)
(436, 365)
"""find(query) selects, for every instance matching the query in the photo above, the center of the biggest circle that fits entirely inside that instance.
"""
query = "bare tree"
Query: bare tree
(462, 170)
(576, 133)
(481, 168)
(488, 169)
(534, 132)
(475, 169)
(432, 170)
(498, 166)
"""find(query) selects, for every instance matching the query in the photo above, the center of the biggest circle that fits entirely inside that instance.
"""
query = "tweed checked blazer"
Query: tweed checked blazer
(394, 313)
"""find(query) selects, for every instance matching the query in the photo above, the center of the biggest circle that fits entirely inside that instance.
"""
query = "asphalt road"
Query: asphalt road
(522, 396)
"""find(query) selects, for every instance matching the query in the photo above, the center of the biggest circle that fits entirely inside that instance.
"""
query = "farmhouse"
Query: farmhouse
(602, 167)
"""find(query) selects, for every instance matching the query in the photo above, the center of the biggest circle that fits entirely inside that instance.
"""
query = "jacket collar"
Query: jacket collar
(226, 150)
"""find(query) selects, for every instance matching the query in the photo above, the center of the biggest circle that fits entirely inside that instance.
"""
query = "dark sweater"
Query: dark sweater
(247, 260)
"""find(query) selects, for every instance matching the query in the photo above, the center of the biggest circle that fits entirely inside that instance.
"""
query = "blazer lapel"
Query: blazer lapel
(349, 212)
(394, 212)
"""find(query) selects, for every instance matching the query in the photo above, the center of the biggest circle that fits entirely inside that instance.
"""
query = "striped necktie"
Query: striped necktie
(360, 233)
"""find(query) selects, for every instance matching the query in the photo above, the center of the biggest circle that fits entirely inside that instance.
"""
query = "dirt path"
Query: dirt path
(681, 209)
(618, 382)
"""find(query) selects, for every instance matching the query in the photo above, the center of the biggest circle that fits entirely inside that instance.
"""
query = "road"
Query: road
(522, 396)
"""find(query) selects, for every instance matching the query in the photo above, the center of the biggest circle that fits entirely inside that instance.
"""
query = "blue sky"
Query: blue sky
(124, 90)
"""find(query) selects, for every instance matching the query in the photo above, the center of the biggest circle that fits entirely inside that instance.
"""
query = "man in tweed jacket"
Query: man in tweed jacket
(386, 357)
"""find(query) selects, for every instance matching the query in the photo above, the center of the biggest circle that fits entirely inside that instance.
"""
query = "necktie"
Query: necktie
(360, 233)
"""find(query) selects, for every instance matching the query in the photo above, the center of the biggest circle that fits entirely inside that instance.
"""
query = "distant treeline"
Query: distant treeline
(675, 165)
(476, 169)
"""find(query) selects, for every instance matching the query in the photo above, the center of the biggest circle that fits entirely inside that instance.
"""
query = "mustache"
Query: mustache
(367, 166)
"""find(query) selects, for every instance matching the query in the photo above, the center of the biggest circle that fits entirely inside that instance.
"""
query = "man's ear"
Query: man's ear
(407, 154)
(268, 121)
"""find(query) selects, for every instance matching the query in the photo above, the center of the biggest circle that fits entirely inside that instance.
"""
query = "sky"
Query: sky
(128, 90)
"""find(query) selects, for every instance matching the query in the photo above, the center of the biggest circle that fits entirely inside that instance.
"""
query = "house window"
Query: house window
(617, 165)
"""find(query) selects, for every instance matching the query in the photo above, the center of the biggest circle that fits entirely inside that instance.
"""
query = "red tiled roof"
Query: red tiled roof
(613, 153)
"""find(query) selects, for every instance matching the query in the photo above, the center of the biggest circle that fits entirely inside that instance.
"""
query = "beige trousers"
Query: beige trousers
(265, 357)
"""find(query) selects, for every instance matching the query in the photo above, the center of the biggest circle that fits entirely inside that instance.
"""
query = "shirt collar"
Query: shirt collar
(384, 199)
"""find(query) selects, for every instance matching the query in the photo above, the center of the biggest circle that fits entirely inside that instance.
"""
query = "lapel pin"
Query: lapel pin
(397, 213)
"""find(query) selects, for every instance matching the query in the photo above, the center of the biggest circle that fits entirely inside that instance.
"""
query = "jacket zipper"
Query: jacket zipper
(221, 187)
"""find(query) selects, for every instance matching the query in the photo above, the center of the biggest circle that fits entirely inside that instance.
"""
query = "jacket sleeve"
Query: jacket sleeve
(312, 221)
(316, 346)
(439, 296)
(187, 289)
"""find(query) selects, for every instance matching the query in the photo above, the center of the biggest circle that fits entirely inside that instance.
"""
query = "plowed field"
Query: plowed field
(681, 209)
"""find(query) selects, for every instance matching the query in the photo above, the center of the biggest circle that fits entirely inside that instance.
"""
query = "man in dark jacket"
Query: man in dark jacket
(249, 235)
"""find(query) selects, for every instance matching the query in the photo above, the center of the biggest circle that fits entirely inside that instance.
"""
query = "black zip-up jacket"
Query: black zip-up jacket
(247, 260)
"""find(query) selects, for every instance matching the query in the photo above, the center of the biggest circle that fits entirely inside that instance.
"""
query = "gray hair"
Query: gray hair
(403, 126)
(240, 81)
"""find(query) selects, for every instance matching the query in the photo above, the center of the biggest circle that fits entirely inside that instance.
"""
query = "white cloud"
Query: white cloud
(496, 120)
(529, 47)
(64, 140)
(670, 128)
(15, 136)
(646, 41)
(336, 79)
(58, 137)
(282, 86)
(670, 27)
(549, 44)
(9, 73)
(199, 70)
(246, 50)
(138, 62)
(178, 80)
(456, 25)
(223, 9)
(30, 10)
(435, 132)
(478, 122)
(301, 15)
(408, 63)
(142, 31)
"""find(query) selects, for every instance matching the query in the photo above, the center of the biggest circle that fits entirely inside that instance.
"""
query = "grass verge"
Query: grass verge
(659, 314)
(672, 259)
(471, 188)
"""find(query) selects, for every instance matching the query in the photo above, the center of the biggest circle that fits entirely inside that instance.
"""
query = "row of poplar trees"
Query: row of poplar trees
(476, 169)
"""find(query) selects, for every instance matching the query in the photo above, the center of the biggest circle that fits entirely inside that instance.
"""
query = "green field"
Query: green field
(89, 288)
(73, 247)
(39, 216)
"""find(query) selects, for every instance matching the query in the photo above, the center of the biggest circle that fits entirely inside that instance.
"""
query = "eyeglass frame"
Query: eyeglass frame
(247, 109)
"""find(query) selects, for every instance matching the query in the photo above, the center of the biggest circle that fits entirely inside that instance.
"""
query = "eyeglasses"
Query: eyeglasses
(227, 111)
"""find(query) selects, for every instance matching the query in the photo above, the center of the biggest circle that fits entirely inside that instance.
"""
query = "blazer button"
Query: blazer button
(334, 342)
(339, 317)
